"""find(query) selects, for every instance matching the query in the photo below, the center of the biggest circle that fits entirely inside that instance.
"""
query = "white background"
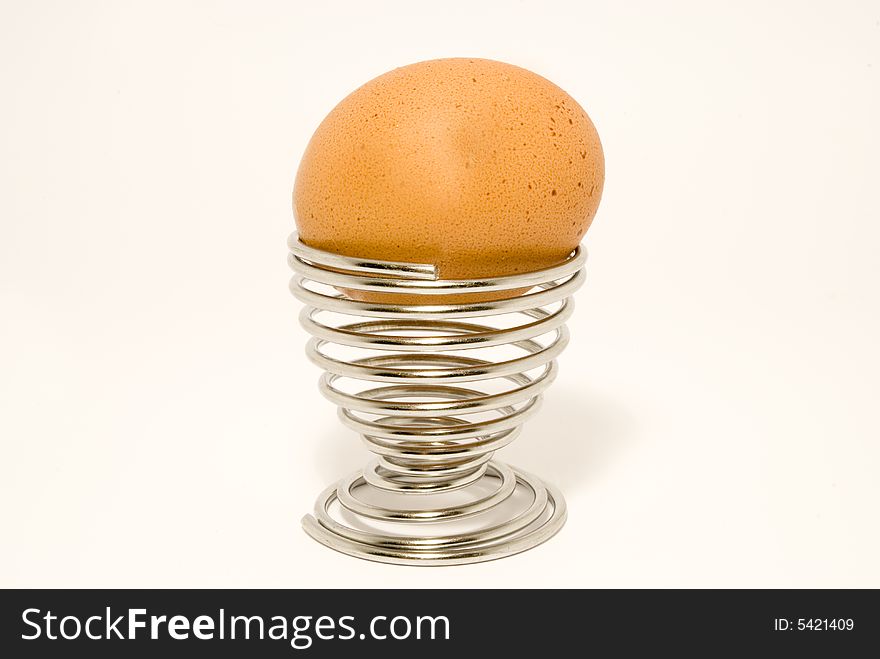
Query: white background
(715, 422)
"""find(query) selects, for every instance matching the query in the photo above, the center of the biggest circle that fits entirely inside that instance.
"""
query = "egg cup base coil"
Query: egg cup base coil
(434, 390)
(537, 523)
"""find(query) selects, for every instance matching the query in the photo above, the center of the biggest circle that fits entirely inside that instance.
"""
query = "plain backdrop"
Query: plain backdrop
(715, 422)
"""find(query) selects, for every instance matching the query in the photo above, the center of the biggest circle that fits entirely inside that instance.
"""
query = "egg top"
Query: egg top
(479, 167)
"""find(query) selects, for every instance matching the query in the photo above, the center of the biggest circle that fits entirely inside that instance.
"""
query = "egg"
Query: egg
(476, 166)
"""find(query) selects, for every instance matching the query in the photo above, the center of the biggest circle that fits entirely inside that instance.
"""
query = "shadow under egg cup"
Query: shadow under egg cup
(434, 390)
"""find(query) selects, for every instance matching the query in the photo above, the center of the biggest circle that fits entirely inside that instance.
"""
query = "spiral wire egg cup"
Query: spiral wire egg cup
(404, 377)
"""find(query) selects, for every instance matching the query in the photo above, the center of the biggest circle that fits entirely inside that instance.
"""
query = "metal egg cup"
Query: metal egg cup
(427, 410)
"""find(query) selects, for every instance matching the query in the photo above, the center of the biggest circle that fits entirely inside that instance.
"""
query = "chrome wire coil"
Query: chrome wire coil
(434, 390)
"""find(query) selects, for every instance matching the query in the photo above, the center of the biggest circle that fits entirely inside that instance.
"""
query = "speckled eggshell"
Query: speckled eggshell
(479, 167)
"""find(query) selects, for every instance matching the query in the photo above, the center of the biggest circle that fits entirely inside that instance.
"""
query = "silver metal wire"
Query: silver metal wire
(434, 390)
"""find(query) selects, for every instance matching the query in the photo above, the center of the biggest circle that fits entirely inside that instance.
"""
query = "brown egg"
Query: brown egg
(479, 167)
